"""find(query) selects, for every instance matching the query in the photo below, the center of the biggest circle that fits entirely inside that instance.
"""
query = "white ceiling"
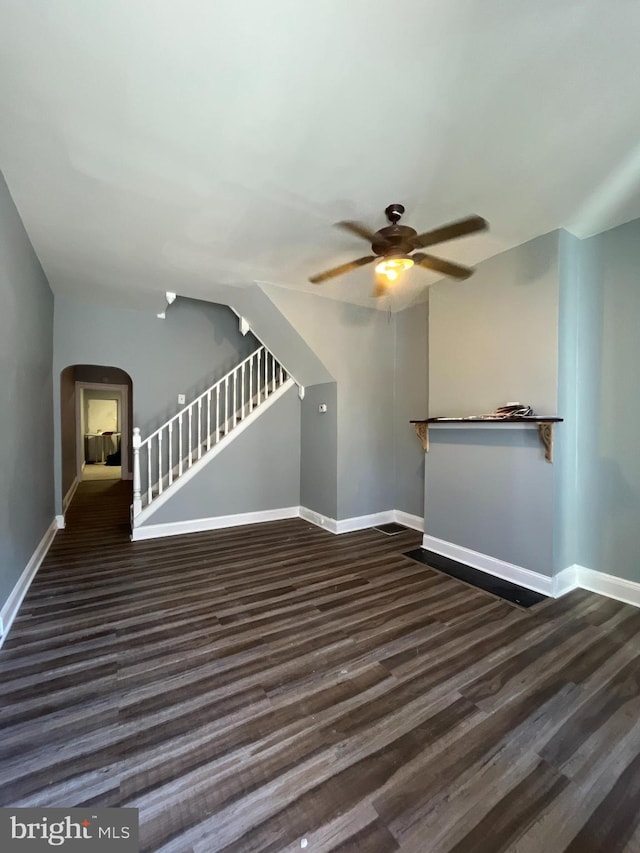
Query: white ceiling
(156, 145)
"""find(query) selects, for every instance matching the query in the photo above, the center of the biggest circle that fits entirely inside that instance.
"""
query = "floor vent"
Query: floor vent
(391, 529)
(519, 595)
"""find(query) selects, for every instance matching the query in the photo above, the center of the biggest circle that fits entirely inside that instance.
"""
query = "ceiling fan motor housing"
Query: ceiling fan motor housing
(394, 239)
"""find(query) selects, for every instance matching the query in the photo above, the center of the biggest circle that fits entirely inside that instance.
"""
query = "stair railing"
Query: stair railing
(171, 450)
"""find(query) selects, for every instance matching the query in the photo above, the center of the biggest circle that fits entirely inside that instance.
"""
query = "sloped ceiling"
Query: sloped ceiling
(152, 145)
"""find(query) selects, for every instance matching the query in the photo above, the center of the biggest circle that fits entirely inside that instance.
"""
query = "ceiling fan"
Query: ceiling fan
(394, 245)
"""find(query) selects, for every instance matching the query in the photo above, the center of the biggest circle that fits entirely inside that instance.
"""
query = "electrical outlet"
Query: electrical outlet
(181, 399)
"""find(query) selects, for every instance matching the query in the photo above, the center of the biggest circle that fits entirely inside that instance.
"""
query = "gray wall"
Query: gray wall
(357, 347)
(493, 493)
(273, 329)
(608, 470)
(411, 400)
(260, 470)
(494, 339)
(319, 450)
(566, 435)
(197, 344)
(26, 419)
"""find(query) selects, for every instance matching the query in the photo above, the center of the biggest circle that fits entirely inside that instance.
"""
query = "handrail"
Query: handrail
(203, 395)
(177, 444)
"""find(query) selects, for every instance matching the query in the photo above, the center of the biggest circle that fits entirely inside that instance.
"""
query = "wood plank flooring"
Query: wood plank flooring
(253, 688)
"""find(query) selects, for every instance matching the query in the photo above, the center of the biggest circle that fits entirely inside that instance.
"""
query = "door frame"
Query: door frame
(125, 428)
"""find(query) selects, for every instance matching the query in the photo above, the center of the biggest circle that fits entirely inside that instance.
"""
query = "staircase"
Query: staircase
(182, 446)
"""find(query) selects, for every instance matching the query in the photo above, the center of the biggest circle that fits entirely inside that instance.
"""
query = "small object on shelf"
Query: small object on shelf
(509, 410)
(513, 410)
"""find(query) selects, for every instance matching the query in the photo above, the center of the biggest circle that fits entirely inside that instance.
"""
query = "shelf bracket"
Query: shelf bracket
(422, 431)
(545, 431)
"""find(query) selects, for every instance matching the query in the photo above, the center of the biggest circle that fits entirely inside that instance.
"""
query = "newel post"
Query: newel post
(137, 500)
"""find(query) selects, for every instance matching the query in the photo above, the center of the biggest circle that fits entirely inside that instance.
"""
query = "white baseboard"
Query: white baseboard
(612, 587)
(415, 522)
(12, 605)
(69, 496)
(60, 522)
(565, 581)
(198, 525)
(324, 521)
(361, 522)
(500, 568)
(332, 525)
(570, 578)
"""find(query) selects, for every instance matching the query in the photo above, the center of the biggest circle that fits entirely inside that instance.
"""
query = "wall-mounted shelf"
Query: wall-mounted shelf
(544, 426)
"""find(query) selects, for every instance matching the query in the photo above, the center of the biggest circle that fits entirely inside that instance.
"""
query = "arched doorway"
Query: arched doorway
(95, 411)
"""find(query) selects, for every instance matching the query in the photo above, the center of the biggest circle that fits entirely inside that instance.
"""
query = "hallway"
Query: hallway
(101, 471)
(252, 687)
(99, 512)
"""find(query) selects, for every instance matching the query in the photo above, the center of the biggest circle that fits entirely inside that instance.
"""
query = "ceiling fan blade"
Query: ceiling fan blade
(447, 267)
(449, 232)
(359, 229)
(352, 265)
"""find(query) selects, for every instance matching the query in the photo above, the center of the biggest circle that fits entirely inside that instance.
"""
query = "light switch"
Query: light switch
(322, 408)
(181, 399)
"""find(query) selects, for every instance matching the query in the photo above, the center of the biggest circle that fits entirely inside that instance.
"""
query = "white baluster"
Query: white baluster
(267, 387)
(160, 462)
(273, 373)
(217, 413)
(258, 378)
(265, 375)
(199, 427)
(235, 397)
(190, 436)
(266, 391)
(281, 375)
(244, 364)
(209, 420)
(180, 445)
(149, 474)
(226, 405)
(170, 452)
(137, 499)
(251, 384)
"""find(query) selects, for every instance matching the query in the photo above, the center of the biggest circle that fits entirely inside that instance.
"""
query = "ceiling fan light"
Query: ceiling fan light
(392, 267)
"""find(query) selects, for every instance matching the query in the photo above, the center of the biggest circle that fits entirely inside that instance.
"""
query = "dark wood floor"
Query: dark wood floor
(251, 688)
